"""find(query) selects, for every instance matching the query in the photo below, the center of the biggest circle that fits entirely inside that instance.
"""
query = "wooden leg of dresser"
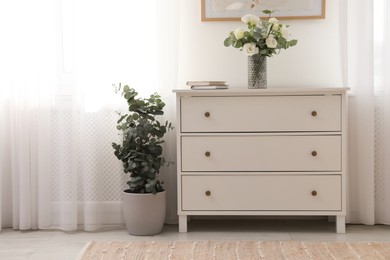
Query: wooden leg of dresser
(182, 223)
(340, 224)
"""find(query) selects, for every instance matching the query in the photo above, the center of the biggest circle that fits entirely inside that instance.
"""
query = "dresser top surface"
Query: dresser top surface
(268, 91)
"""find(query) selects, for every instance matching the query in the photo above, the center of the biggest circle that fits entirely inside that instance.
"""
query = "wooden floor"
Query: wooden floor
(61, 245)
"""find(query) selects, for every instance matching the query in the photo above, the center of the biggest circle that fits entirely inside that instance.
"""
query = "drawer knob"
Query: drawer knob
(207, 154)
(208, 193)
(314, 113)
(314, 153)
(314, 193)
(207, 114)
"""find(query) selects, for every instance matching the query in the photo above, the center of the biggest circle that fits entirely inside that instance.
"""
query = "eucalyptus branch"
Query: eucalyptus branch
(140, 150)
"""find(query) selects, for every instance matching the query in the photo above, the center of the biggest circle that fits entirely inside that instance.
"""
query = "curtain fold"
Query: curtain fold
(29, 72)
(366, 70)
(382, 84)
(57, 117)
(168, 48)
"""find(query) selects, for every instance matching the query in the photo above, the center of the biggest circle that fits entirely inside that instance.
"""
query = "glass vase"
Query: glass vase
(257, 71)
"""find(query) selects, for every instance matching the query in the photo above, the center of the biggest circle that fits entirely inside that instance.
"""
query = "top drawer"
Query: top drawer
(261, 114)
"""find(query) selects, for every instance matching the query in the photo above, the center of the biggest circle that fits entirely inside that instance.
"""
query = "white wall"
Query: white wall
(314, 62)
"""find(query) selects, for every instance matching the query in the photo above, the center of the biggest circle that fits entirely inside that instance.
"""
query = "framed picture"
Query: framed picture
(233, 10)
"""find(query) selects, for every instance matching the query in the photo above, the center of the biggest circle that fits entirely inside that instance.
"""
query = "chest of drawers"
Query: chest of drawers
(276, 151)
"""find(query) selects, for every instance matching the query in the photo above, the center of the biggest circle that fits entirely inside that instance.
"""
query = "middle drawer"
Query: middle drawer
(261, 153)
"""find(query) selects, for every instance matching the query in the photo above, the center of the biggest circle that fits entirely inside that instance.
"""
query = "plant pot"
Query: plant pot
(144, 214)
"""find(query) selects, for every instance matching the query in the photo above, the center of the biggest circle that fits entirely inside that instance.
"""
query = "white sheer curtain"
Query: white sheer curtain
(366, 45)
(382, 111)
(28, 74)
(57, 116)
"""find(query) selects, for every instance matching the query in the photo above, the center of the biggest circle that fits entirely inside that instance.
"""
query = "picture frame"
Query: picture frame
(233, 10)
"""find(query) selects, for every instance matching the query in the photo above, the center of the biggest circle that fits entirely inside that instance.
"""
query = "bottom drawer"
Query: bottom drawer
(261, 192)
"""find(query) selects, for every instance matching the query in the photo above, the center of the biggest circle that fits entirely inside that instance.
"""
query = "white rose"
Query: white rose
(271, 42)
(251, 19)
(250, 49)
(285, 32)
(273, 20)
(275, 24)
(238, 33)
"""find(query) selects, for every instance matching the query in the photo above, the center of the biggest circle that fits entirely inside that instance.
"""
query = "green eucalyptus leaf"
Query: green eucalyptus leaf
(126, 88)
(263, 52)
(140, 151)
(227, 42)
(293, 42)
(256, 35)
(238, 44)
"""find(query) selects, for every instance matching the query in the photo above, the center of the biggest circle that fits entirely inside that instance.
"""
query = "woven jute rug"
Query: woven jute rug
(225, 250)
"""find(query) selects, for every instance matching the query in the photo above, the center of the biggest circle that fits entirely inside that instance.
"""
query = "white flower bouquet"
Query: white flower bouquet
(263, 37)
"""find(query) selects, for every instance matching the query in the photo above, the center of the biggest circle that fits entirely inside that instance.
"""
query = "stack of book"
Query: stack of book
(207, 84)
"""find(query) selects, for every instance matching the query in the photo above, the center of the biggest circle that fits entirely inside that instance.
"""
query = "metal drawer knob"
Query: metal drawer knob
(314, 153)
(314, 193)
(314, 113)
(208, 193)
(207, 114)
(207, 154)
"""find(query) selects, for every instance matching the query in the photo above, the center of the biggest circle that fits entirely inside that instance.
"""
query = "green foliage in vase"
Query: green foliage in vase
(265, 38)
(141, 150)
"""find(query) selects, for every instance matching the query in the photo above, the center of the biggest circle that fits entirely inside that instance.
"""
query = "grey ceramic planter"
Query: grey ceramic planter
(144, 214)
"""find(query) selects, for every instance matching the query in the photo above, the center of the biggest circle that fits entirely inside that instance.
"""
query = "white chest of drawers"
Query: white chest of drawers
(276, 151)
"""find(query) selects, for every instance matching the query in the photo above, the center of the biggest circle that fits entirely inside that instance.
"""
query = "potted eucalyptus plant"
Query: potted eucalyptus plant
(144, 202)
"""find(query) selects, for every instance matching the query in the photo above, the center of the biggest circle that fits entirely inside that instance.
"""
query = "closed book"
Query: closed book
(209, 87)
(206, 83)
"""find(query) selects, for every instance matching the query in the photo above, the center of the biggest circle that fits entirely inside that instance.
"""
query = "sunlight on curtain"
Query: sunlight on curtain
(379, 29)
(368, 75)
(116, 43)
(382, 111)
(29, 72)
(359, 71)
(60, 58)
